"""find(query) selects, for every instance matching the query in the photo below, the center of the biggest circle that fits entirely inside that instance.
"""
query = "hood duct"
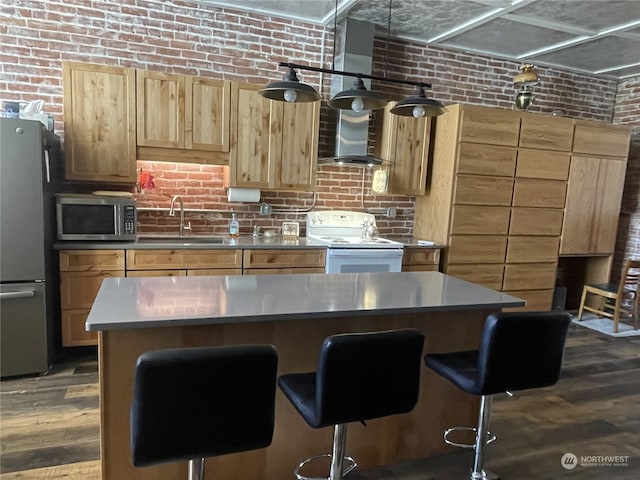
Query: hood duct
(354, 53)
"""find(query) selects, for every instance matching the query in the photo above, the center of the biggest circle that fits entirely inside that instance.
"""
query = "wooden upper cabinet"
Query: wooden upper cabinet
(207, 114)
(183, 112)
(274, 145)
(593, 205)
(296, 167)
(494, 126)
(404, 143)
(252, 148)
(594, 138)
(99, 123)
(546, 132)
(160, 112)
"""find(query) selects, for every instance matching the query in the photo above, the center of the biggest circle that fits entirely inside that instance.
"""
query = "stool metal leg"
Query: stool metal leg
(337, 457)
(196, 469)
(481, 438)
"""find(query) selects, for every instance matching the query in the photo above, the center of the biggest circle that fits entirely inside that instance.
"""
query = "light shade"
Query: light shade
(358, 98)
(524, 98)
(290, 90)
(418, 106)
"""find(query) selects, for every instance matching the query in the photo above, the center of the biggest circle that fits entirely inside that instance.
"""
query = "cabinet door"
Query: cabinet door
(253, 144)
(528, 192)
(160, 109)
(99, 123)
(529, 276)
(207, 114)
(546, 132)
(494, 126)
(486, 160)
(535, 221)
(595, 138)
(480, 220)
(543, 164)
(404, 142)
(483, 190)
(489, 276)
(79, 289)
(581, 197)
(296, 166)
(73, 330)
(182, 259)
(606, 209)
(295, 258)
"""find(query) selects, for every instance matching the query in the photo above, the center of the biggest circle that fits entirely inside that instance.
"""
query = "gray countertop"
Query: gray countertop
(135, 302)
(200, 242)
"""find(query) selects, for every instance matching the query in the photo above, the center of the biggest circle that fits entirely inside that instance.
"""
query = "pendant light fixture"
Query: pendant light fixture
(526, 79)
(419, 106)
(290, 90)
(358, 98)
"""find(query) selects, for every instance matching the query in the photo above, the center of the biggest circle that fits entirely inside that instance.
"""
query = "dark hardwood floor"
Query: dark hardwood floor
(49, 424)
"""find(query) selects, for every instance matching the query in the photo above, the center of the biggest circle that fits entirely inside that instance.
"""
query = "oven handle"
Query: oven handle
(365, 252)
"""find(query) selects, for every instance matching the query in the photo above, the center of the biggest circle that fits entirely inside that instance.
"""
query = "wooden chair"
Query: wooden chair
(613, 296)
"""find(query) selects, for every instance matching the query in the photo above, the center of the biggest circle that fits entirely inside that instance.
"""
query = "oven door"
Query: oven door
(354, 260)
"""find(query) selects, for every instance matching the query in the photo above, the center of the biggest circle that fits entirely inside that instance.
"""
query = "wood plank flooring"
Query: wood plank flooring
(49, 424)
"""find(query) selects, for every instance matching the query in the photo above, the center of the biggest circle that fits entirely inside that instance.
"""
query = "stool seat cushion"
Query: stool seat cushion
(360, 376)
(460, 368)
(518, 351)
(202, 402)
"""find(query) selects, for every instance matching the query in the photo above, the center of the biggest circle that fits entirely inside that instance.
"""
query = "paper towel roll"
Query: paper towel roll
(235, 194)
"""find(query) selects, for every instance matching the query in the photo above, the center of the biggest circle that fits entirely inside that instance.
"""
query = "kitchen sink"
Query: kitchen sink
(178, 239)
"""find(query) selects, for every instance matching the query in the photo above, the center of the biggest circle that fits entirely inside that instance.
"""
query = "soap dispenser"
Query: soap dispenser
(234, 227)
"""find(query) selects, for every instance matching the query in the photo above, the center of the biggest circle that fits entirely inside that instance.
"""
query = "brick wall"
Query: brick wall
(627, 111)
(197, 39)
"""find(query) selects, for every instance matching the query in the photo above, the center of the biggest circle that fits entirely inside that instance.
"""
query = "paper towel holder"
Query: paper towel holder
(243, 195)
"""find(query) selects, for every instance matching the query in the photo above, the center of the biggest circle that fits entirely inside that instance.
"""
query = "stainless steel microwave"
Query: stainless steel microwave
(95, 218)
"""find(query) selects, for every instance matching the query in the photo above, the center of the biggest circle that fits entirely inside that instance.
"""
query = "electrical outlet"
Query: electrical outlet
(391, 212)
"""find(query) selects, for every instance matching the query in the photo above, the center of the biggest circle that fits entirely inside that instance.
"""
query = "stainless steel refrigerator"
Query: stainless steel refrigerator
(28, 154)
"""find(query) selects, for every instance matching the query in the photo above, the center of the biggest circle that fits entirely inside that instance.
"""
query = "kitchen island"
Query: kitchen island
(294, 313)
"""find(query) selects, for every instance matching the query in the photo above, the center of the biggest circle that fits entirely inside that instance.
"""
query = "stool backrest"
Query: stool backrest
(201, 402)
(521, 350)
(362, 376)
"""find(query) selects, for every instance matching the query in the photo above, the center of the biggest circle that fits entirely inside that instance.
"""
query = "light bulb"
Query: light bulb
(290, 95)
(357, 104)
(418, 111)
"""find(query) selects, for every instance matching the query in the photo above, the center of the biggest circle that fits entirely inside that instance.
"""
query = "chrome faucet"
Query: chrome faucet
(172, 213)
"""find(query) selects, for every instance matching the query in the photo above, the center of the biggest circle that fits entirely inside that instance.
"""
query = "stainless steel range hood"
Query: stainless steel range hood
(354, 53)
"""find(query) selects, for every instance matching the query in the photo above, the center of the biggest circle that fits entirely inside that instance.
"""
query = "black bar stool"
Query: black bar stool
(518, 351)
(360, 376)
(192, 403)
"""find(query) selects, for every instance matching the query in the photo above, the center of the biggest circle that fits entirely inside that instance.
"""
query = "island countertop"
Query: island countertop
(138, 302)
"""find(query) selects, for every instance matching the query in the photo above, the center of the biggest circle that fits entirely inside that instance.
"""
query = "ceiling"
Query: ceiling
(598, 37)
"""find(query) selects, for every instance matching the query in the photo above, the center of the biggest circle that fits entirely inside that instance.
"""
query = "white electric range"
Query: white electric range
(348, 251)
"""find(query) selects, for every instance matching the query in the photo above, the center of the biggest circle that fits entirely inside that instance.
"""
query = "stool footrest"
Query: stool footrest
(490, 437)
(350, 466)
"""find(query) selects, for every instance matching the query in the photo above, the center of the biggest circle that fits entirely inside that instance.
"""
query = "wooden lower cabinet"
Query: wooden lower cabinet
(275, 271)
(81, 274)
(421, 259)
(284, 261)
(537, 300)
(488, 275)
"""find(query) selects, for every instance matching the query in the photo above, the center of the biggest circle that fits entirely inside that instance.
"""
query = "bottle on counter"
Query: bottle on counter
(234, 227)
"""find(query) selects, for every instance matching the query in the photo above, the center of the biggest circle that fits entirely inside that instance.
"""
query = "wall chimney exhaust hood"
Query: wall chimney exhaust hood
(354, 52)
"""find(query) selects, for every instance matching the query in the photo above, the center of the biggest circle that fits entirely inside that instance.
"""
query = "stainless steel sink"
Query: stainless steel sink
(178, 239)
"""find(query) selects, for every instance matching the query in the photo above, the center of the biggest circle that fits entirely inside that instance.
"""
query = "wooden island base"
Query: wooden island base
(388, 440)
